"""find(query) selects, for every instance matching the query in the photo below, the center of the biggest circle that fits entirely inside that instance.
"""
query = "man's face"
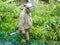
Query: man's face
(31, 9)
(27, 10)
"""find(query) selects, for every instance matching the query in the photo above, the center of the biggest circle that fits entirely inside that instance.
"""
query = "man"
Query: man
(25, 21)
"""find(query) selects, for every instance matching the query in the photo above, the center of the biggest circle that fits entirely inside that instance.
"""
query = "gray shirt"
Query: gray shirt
(25, 20)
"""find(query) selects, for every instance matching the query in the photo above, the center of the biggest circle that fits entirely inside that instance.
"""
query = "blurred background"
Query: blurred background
(45, 17)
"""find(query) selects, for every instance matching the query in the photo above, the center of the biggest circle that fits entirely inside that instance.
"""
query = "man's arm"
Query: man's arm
(21, 21)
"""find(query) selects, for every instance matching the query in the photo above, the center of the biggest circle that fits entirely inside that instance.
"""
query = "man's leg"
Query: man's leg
(27, 37)
(22, 38)
(22, 34)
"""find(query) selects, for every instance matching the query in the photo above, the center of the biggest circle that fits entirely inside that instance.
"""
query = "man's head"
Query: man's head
(28, 6)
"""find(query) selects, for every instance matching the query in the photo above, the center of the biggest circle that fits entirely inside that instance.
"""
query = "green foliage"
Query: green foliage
(57, 10)
(46, 23)
(8, 16)
(3, 0)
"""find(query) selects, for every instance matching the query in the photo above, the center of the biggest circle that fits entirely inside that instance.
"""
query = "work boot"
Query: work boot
(27, 42)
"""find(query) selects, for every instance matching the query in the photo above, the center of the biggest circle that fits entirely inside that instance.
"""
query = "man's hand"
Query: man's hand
(22, 31)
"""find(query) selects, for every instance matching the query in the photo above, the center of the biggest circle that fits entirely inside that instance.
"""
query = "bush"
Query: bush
(46, 23)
